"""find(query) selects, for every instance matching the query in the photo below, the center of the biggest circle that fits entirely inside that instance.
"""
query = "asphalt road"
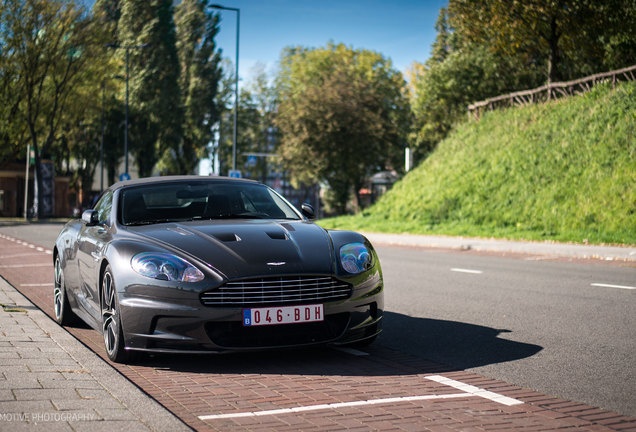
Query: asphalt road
(538, 324)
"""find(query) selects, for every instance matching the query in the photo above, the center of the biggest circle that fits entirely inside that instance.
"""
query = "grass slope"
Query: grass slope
(563, 171)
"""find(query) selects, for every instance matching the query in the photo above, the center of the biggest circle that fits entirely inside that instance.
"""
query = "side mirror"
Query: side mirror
(90, 217)
(308, 211)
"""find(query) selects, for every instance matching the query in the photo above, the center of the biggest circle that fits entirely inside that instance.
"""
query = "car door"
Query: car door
(92, 240)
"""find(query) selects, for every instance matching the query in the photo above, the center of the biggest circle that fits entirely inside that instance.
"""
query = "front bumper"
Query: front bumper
(185, 325)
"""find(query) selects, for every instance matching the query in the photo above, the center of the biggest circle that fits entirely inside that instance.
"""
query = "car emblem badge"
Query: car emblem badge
(277, 263)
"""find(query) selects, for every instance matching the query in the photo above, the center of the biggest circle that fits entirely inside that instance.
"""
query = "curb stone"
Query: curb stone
(541, 249)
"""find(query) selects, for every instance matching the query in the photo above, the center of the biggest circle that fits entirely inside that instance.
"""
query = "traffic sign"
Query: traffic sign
(124, 177)
(235, 174)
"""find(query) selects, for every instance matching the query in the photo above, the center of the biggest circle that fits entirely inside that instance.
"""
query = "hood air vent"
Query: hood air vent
(227, 237)
(277, 235)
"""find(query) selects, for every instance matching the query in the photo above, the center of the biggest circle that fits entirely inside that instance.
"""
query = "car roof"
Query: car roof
(168, 179)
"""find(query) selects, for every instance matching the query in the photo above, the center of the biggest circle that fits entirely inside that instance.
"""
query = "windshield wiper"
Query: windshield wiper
(246, 215)
(151, 222)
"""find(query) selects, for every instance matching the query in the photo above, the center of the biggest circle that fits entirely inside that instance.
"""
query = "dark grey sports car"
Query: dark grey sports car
(203, 264)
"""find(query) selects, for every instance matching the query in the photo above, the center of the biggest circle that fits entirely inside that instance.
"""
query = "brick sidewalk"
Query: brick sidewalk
(50, 381)
(321, 389)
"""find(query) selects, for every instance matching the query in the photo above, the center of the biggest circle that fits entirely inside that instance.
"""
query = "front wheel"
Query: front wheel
(63, 313)
(111, 320)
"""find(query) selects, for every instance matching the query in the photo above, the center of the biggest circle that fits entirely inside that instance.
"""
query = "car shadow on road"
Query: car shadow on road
(457, 344)
(408, 345)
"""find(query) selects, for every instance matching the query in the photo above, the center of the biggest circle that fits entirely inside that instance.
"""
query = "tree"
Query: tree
(225, 99)
(155, 95)
(566, 36)
(443, 90)
(13, 133)
(342, 116)
(45, 46)
(200, 74)
(256, 131)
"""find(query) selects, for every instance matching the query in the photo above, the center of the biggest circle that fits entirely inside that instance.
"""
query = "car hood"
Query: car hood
(247, 248)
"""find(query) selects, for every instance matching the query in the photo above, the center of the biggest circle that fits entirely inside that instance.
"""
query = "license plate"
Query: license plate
(283, 315)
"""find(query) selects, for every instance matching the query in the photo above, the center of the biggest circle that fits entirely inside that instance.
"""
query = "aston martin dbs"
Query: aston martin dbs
(209, 264)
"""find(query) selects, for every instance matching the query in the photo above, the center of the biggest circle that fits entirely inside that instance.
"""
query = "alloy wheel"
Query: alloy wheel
(110, 316)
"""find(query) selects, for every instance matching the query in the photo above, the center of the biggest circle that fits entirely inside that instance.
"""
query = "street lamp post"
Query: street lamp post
(236, 78)
(127, 48)
(101, 144)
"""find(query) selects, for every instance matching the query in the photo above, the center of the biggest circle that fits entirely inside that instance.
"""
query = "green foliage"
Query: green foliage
(491, 47)
(563, 171)
(342, 116)
(200, 73)
(256, 131)
(46, 47)
(154, 79)
(443, 91)
(571, 38)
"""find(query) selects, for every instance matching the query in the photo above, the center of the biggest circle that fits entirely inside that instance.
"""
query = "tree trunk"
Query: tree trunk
(554, 56)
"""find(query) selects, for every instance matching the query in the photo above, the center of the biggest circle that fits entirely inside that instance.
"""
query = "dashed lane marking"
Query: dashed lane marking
(29, 254)
(467, 391)
(461, 270)
(602, 285)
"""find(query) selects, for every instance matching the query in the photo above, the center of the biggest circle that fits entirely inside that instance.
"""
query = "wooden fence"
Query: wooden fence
(551, 91)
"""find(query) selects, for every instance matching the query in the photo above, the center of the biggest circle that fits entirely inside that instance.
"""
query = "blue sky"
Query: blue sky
(402, 30)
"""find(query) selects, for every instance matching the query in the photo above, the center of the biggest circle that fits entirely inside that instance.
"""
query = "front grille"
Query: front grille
(280, 290)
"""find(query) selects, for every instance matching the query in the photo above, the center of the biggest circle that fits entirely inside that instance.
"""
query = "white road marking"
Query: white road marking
(20, 255)
(352, 351)
(495, 397)
(613, 286)
(25, 265)
(37, 284)
(467, 391)
(461, 270)
(333, 406)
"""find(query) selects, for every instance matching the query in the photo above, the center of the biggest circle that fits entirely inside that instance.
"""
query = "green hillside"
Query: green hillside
(565, 171)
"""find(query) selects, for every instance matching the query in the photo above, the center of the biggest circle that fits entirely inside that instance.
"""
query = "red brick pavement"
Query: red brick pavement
(193, 386)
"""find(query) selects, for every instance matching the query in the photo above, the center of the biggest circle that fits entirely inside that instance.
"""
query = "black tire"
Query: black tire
(111, 320)
(64, 315)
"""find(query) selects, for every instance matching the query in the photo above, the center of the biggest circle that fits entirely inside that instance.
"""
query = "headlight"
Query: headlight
(355, 258)
(165, 267)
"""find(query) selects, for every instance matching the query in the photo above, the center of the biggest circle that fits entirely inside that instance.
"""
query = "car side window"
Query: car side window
(103, 207)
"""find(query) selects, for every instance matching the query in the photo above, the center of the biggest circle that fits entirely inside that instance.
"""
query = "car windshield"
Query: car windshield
(182, 201)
